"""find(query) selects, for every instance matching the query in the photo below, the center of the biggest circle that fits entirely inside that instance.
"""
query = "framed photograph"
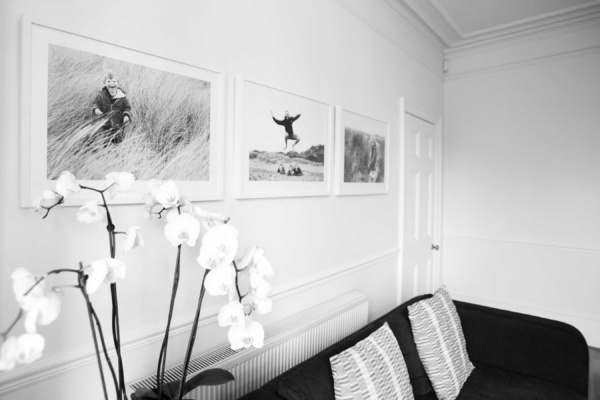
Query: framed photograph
(91, 107)
(362, 154)
(283, 143)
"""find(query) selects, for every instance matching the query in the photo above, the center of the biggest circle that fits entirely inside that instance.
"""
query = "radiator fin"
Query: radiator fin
(287, 343)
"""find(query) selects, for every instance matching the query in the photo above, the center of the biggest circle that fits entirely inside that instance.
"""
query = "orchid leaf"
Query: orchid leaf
(209, 377)
(144, 394)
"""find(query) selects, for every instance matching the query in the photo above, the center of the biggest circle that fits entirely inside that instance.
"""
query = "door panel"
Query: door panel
(419, 207)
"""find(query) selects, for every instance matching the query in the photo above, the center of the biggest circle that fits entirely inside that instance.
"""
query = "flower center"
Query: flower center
(184, 236)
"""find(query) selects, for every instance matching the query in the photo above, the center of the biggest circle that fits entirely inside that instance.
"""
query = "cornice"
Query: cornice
(532, 27)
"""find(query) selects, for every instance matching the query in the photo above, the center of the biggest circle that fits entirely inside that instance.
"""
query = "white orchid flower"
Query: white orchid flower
(164, 193)
(133, 238)
(23, 281)
(231, 313)
(29, 347)
(221, 281)
(40, 307)
(254, 303)
(182, 228)
(21, 350)
(36, 205)
(219, 246)
(50, 195)
(251, 333)
(91, 212)
(107, 270)
(8, 354)
(43, 312)
(246, 260)
(209, 219)
(119, 182)
(66, 185)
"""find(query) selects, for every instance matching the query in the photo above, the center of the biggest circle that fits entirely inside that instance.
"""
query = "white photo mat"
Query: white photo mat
(352, 173)
(256, 132)
(36, 38)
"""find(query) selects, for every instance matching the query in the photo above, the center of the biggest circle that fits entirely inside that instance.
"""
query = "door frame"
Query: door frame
(410, 107)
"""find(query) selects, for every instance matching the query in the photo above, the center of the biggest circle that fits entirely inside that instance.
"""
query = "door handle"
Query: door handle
(435, 247)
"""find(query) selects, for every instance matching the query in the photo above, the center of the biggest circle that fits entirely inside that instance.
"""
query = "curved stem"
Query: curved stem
(188, 353)
(89, 310)
(101, 334)
(163, 350)
(117, 339)
(6, 332)
(237, 288)
(55, 271)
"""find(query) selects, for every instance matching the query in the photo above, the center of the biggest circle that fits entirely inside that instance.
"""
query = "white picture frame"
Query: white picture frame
(198, 173)
(362, 154)
(259, 142)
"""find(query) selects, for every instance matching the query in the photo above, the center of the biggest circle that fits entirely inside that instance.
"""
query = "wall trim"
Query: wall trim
(523, 243)
(61, 363)
(522, 63)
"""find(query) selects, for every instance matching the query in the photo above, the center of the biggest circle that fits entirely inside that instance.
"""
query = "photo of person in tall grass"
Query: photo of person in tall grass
(364, 156)
(108, 115)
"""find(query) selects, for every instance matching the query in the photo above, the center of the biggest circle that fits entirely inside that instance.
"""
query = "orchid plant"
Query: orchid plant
(40, 303)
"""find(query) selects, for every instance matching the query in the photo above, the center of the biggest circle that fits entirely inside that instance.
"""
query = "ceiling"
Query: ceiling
(458, 22)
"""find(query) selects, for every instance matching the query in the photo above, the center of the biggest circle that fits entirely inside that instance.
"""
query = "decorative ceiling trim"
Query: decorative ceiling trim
(567, 18)
(439, 22)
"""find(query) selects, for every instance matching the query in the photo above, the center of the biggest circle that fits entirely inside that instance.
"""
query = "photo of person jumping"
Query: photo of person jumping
(287, 122)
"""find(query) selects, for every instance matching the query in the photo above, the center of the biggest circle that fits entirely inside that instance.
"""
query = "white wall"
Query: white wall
(521, 165)
(363, 57)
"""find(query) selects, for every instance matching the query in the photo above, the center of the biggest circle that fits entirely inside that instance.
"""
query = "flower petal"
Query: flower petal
(220, 280)
(66, 185)
(8, 354)
(231, 313)
(29, 347)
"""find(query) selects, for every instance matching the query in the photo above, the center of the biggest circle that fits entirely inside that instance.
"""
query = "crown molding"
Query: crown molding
(530, 27)
(435, 18)
(396, 22)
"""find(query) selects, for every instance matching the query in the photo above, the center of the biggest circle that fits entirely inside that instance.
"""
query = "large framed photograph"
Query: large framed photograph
(91, 107)
(283, 143)
(362, 154)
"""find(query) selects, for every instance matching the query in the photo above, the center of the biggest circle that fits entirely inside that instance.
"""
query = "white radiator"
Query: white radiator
(287, 343)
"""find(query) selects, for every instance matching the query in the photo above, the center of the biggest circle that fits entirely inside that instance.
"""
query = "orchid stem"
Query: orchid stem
(163, 350)
(237, 288)
(188, 353)
(55, 271)
(5, 333)
(89, 310)
(101, 334)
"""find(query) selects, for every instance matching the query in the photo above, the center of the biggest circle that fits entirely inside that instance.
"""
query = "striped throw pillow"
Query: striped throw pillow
(441, 343)
(372, 369)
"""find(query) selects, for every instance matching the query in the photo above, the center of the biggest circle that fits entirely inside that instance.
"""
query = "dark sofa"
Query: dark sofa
(516, 356)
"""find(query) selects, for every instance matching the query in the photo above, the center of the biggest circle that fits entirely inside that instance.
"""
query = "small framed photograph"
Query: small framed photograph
(283, 143)
(362, 154)
(91, 107)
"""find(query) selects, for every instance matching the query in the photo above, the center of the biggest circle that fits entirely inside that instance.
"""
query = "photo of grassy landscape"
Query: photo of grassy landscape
(364, 156)
(264, 165)
(167, 138)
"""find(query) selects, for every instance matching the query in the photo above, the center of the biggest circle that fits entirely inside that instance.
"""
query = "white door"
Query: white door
(420, 264)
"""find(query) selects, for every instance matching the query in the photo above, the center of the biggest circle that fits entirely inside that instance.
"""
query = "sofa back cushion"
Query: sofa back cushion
(400, 325)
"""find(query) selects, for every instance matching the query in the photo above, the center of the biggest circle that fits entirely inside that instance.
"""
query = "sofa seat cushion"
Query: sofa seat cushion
(489, 383)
